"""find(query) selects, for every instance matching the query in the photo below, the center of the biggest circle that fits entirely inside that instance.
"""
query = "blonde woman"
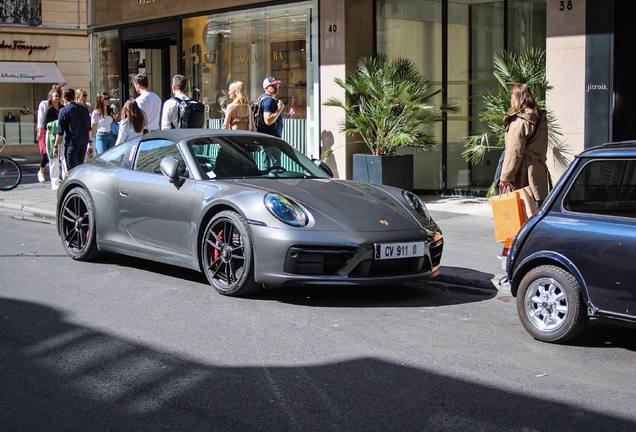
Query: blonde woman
(238, 114)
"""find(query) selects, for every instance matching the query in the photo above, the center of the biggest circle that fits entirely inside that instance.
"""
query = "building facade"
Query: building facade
(42, 42)
(306, 44)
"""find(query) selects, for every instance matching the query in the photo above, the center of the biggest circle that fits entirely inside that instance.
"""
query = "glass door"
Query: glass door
(157, 59)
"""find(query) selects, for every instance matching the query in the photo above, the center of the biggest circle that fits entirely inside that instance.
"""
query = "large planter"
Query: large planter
(394, 170)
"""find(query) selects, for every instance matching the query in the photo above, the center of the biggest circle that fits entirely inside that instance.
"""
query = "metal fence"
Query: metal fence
(294, 132)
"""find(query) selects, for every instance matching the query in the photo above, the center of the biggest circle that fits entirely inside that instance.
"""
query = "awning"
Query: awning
(30, 73)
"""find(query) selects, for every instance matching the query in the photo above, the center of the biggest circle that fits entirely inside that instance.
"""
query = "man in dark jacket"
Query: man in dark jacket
(74, 123)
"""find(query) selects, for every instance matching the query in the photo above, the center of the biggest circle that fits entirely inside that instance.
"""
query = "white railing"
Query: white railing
(294, 131)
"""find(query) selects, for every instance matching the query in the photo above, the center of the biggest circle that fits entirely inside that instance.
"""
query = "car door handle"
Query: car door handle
(124, 192)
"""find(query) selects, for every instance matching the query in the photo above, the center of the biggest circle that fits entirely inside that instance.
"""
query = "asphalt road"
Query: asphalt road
(128, 345)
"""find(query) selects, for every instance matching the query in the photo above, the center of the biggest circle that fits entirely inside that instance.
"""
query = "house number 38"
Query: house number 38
(565, 5)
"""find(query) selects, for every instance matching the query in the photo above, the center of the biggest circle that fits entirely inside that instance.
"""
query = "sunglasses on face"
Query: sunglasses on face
(84, 94)
(106, 98)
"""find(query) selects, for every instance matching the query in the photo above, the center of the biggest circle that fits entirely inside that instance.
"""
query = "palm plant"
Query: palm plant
(388, 103)
(529, 67)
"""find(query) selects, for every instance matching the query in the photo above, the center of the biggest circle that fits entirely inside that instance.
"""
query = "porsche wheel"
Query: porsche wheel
(77, 225)
(550, 304)
(227, 255)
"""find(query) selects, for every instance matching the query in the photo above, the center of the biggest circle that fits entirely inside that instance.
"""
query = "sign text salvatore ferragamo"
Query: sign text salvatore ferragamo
(21, 45)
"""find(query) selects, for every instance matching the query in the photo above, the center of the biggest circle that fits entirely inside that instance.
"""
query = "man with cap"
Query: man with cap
(271, 108)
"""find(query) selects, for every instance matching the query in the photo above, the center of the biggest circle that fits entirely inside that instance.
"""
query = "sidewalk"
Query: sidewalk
(469, 259)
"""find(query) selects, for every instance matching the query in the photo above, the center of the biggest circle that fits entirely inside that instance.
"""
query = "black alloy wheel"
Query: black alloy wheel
(227, 256)
(77, 225)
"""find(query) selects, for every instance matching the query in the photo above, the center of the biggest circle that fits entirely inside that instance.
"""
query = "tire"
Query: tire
(10, 174)
(227, 256)
(77, 225)
(550, 304)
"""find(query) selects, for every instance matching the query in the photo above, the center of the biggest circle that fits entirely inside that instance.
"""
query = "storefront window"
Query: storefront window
(247, 46)
(474, 31)
(105, 64)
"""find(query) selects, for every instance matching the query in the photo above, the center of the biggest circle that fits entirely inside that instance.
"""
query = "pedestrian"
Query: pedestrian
(524, 162)
(81, 96)
(101, 123)
(181, 112)
(148, 101)
(53, 107)
(238, 114)
(74, 124)
(133, 122)
(271, 108)
(41, 132)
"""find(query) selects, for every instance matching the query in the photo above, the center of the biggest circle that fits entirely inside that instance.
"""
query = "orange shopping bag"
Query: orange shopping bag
(508, 215)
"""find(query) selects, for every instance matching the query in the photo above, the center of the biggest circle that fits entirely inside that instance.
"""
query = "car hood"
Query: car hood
(338, 204)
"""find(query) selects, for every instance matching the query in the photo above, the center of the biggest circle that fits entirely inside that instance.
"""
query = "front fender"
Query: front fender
(548, 258)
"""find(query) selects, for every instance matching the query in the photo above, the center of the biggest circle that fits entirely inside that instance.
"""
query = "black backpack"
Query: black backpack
(257, 112)
(191, 114)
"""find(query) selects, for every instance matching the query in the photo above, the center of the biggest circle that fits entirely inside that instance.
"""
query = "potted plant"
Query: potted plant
(526, 67)
(388, 104)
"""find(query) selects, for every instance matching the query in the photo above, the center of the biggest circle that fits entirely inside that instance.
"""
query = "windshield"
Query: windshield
(251, 157)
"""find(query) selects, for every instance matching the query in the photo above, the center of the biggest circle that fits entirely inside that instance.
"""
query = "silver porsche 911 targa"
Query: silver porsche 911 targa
(248, 210)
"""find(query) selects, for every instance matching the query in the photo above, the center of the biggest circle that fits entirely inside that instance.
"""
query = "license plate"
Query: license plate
(398, 250)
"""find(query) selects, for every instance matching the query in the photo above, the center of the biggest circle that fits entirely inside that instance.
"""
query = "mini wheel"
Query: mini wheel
(226, 254)
(550, 304)
(77, 225)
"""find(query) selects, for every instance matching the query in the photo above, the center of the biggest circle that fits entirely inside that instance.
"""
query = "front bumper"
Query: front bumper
(297, 257)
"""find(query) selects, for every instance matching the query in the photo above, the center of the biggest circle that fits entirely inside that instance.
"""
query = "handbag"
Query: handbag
(114, 127)
(508, 215)
(529, 203)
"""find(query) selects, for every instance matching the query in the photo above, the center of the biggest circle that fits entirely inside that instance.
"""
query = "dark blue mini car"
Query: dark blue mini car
(576, 258)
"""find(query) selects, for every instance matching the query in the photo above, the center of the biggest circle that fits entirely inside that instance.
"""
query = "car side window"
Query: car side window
(151, 152)
(115, 155)
(604, 187)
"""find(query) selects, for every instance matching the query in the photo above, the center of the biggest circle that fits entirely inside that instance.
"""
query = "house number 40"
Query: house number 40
(565, 5)
(333, 28)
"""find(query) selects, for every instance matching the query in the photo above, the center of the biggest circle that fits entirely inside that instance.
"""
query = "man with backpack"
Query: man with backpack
(181, 112)
(267, 109)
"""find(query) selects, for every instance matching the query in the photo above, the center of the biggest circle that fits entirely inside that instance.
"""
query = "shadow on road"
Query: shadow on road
(397, 295)
(57, 376)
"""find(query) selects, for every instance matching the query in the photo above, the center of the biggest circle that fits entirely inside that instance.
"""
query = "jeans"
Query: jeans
(104, 141)
(75, 154)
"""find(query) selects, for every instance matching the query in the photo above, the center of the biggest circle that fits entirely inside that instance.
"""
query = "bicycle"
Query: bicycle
(10, 172)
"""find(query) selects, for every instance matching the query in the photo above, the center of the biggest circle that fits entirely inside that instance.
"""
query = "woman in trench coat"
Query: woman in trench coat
(526, 144)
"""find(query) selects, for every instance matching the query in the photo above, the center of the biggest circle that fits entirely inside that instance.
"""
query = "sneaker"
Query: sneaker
(55, 186)
(41, 178)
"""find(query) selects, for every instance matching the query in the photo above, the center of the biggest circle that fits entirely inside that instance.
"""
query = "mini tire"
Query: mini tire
(550, 304)
(77, 225)
(227, 256)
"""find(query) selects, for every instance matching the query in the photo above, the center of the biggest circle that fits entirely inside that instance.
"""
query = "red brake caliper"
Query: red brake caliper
(216, 251)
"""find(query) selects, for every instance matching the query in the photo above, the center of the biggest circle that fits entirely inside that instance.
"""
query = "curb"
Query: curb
(482, 285)
(34, 211)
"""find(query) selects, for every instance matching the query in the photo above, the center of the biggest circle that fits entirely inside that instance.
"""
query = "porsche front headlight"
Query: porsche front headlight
(416, 204)
(286, 210)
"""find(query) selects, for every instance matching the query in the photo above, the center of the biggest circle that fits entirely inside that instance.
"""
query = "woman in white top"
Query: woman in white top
(133, 122)
(102, 119)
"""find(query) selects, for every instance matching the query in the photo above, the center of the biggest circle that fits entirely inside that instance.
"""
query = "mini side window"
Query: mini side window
(604, 187)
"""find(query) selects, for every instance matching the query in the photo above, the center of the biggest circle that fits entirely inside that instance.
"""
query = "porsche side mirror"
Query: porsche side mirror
(170, 168)
(323, 166)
